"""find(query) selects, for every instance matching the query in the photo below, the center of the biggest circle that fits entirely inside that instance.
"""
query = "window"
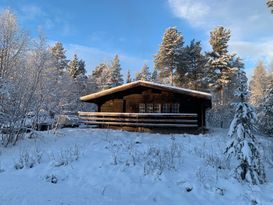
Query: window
(157, 108)
(149, 108)
(141, 107)
(166, 108)
(175, 108)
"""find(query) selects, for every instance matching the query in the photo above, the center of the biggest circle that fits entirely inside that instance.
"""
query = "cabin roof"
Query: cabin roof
(147, 84)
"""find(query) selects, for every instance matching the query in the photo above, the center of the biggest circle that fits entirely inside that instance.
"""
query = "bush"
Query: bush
(28, 159)
(157, 160)
(66, 156)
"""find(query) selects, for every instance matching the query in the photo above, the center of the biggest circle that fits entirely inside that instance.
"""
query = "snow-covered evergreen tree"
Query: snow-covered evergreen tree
(191, 71)
(138, 76)
(221, 69)
(166, 60)
(101, 76)
(265, 116)
(234, 83)
(115, 70)
(220, 62)
(154, 76)
(76, 67)
(145, 73)
(129, 79)
(243, 145)
(258, 84)
(58, 53)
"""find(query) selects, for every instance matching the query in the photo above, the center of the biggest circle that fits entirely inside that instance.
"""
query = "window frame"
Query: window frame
(166, 108)
(141, 108)
(149, 108)
(175, 108)
(157, 108)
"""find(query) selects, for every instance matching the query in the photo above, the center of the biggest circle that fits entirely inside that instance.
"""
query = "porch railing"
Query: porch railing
(187, 120)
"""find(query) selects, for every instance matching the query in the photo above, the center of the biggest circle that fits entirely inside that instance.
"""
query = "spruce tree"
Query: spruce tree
(145, 73)
(258, 84)
(59, 57)
(154, 77)
(166, 60)
(138, 76)
(129, 79)
(82, 69)
(76, 67)
(265, 116)
(116, 76)
(243, 145)
(233, 84)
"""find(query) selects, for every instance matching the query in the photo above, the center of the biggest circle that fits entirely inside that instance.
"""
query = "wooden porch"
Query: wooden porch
(144, 120)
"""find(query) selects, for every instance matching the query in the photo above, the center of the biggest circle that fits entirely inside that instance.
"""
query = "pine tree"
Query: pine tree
(116, 76)
(101, 76)
(191, 70)
(221, 65)
(270, 5)
(129, 79)
(221, 68)
(258, 84)
(220, 62)
(166, 60)
(221, 114)
(266, 114)
(76, 67)
(243, 145)
(58, 54)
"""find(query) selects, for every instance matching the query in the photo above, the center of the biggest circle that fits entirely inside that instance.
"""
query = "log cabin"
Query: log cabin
(148, 106)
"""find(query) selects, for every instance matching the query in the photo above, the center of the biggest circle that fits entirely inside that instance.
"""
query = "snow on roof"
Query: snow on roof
(123, 87)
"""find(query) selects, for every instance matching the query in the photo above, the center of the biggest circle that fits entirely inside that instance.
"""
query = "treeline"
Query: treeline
(215, 71)
(36, 78)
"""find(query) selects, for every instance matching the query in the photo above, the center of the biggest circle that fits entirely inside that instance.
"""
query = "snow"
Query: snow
(144, 83)
(76, 166)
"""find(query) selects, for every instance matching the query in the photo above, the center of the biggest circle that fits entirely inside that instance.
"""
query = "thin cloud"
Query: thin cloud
(251, 23)
(52, 20)
(192, 11)
(94, 56)
(31, 12)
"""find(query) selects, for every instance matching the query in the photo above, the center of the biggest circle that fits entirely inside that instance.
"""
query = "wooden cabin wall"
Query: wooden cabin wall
(128, 101)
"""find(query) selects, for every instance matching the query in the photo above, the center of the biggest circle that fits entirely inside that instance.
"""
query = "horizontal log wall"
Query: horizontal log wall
(140, 119)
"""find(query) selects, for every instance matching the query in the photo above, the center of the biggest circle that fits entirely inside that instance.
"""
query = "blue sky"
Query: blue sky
(98, 29)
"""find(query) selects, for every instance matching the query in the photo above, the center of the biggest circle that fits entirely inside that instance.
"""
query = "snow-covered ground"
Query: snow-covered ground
(96, 166)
